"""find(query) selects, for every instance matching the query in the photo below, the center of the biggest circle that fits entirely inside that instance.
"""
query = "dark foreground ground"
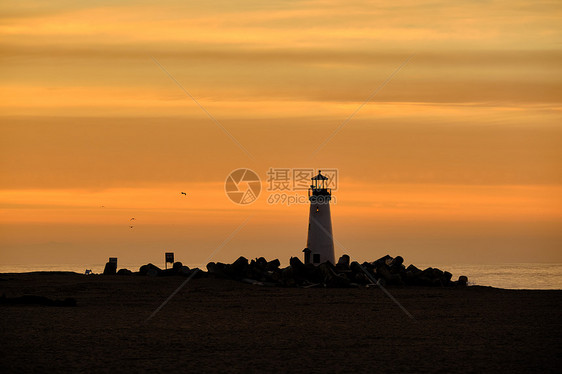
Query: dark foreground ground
(224, 326)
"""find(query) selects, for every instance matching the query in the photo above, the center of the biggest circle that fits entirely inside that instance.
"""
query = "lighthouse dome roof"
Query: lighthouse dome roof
(319, 177)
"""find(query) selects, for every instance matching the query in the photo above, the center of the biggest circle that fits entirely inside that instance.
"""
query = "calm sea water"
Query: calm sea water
(511, 276)
(530, 276)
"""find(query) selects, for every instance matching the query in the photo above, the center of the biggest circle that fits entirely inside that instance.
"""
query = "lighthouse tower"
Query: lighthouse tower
(320, 243)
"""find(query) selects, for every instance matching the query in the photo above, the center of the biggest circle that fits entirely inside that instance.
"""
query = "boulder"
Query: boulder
(261, 262)
(463, 281)
(217, 269)
(124, 272)
(390, 278)
(239, 267)
(273, 265)
(330, 277)
(165, 273)
(288, 277)
(414, 270)
(369, 266)
(397, 266)
(150, 269)
(297, 265)
(383, 272)
(397, 261)
(343, 263)
(356, 274)
(385, 260)
(196, 273)
(212, 267)
(355, 267)
(437, 273)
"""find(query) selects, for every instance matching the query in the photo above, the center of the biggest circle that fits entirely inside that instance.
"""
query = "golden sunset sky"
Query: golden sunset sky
(456, 159)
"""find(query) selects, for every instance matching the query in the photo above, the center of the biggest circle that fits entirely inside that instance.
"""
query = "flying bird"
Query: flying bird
(183, 193)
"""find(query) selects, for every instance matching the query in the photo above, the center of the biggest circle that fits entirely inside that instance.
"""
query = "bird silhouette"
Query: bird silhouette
(183, 193)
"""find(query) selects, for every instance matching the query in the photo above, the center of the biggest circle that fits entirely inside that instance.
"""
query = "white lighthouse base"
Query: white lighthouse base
(320, 241)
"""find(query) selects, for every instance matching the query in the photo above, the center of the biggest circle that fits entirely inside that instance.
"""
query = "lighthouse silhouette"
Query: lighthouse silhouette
(320, 242)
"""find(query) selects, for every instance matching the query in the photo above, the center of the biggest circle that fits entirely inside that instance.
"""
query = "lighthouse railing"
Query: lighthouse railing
(319, 191)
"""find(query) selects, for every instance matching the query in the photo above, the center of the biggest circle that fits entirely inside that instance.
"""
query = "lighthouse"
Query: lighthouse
(320, 243)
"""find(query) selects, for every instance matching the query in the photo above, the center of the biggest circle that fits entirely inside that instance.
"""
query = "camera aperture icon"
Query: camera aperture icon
(242, 186)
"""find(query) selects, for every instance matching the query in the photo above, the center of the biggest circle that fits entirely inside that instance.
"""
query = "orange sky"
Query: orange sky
(456, 159)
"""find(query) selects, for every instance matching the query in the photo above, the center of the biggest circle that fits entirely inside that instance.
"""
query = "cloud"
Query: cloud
(110, 152)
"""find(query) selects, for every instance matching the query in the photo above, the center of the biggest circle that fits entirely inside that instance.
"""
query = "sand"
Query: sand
(215, 325)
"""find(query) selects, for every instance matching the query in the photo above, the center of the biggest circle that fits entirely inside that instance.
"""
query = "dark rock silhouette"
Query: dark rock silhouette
(150, 270)
(463, 280)
(386, 270)
(273, 265)
(177, 269)
(343, 263)
(110, 268)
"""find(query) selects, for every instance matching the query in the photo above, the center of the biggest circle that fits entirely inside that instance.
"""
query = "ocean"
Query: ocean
(532, 276)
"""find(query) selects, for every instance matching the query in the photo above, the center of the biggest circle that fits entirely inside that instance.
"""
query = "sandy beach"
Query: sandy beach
(215, 325)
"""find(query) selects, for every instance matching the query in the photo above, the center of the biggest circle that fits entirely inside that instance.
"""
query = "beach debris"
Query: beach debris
(37, 300)
(252, 281)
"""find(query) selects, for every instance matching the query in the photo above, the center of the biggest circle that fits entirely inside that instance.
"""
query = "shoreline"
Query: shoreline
(517, 276)
(180, 278)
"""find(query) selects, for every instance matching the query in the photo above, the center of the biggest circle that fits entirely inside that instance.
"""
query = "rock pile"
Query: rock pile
(153, 271)
(386, 270)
